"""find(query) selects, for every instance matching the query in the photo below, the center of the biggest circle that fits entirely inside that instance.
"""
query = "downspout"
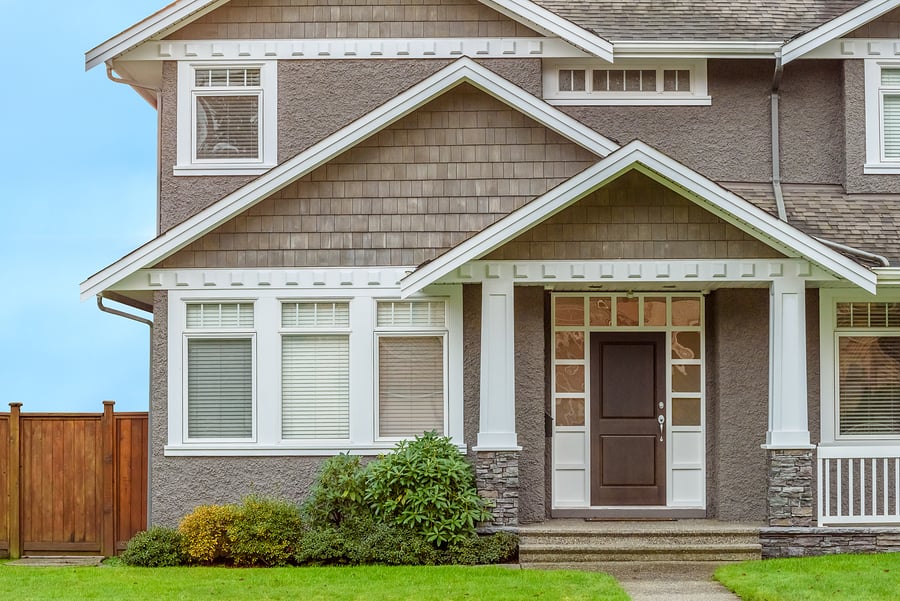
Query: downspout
(158, 107)
(149, 323)
(776, 173)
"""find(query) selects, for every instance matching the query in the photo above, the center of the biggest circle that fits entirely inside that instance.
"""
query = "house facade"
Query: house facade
(637, 264)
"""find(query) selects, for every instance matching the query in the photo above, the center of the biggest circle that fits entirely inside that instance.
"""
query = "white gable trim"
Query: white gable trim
(637, 155)
(464, 70)
(523, 11)
(836, 28)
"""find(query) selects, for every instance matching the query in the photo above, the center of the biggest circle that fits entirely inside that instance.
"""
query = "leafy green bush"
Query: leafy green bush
(205, 533)
(264, 532)
(477, 550)
(338, 493)
(426, 485)
(157, 547)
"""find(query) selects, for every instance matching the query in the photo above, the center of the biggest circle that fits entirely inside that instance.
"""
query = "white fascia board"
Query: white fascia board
(138, 33)
(654, 164)
(694, 49)
(529, 13)
(463, 70)
(836, 28)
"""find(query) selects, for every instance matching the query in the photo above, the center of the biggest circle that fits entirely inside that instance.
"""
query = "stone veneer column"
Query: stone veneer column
(497, 479)
(790, 497)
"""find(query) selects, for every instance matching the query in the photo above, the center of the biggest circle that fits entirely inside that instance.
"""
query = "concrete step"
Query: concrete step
(531, 554)
(601, 539)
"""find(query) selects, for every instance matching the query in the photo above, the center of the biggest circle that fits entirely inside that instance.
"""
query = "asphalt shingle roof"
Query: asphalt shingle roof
(747, 20)
(863, 221)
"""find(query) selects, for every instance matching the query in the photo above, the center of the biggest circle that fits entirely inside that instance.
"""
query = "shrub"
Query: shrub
(157, 547)
(427, 486)
(477, 550)
(324, 546)
(205, 533)
(338, 493)
(265, 532)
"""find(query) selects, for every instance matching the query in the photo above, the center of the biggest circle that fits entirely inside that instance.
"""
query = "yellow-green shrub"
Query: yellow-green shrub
(205, 533)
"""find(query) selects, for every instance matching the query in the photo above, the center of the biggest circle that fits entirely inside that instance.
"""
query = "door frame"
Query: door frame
(569, 446)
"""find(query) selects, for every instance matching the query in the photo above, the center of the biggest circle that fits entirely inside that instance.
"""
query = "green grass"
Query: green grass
(373, 583)
(831, 578)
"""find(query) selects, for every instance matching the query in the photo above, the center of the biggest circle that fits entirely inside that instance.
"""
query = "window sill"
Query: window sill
(252, 450)
(212, 169)
(632, 101)
(881, 169)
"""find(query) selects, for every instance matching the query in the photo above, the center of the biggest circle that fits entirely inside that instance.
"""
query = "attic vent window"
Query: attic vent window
(226, 119)
(583, 82)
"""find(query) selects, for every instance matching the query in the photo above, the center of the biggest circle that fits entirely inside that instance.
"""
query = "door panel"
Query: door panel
(627, 386)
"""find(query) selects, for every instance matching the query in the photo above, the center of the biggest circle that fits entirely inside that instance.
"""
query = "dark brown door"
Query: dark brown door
(627, 397)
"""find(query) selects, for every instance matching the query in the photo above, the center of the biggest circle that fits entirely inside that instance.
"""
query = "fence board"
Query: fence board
(64, 504)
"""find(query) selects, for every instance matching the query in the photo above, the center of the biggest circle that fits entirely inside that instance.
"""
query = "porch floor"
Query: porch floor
(578, 541)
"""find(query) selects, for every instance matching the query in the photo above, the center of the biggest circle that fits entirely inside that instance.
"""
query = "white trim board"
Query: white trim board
(836, 28)
(184, 11)
(463, 70)
(654, 164)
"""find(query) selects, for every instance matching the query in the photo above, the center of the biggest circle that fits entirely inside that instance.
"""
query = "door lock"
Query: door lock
(662, 420)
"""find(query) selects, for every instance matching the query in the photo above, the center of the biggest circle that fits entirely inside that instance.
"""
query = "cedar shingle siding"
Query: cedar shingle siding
(633, 217)
(403, 196)
(311, 19)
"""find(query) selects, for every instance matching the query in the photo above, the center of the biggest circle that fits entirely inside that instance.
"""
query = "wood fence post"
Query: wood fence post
(108, 436)
(15, 481)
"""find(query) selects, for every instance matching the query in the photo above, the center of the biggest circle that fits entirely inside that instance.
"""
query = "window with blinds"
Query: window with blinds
(227, 113)
(869, 385)
(411, 387)
(411, 314)
(617, 81)
(220, 388)
(220, 315)
(890, 113)
(315, 371)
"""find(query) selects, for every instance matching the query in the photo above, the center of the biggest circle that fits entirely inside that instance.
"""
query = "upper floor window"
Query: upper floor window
(226, 119)
(882, 117)
(626, 82)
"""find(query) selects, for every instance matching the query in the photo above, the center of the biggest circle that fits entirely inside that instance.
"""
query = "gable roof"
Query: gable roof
(637, 155)
(748, 20)
(182, 12)
(463, 70)
(836, 28)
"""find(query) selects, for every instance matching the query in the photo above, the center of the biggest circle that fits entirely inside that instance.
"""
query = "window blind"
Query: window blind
(867, 315)
(315, 394)
(890, 106)
(869, 385)
(220, 315)
(227, 126)
(315, 315)
(420, 314)
(220, 388)
(410, 385)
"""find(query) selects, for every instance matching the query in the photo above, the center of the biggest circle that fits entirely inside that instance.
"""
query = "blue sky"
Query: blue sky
(78, 191)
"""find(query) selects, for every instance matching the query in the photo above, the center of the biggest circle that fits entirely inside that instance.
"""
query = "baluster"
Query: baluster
(884, 486)
(839, 500)
(862, 487)
(850, 485)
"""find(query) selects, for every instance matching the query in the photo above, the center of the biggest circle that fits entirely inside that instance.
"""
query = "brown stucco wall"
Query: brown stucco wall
(311, 19)
(315, 99)
(855, 181)
(885, 26)
(471, 363)
(178, 484)
(404, 196)
(633, 217)
(737, 379)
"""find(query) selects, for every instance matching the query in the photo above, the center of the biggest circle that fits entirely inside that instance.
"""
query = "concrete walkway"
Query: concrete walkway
(667, 581)
(46, 561)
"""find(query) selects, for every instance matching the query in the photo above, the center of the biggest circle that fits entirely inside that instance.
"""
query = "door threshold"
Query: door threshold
(630, 513)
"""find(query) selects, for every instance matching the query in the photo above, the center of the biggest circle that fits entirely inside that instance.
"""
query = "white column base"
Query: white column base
(497, 441)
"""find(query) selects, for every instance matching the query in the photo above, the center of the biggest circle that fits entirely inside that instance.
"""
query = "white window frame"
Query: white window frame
(698, 96)
(876, 163)
(395, 331)
(267, 337)
(186, 161)
(828, 357)
(212, 333)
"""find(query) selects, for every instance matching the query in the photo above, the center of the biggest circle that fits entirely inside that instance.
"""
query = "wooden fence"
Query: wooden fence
(71, 483)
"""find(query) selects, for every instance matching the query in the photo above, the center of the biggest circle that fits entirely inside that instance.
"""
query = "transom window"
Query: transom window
(226, 118)
(585, 82)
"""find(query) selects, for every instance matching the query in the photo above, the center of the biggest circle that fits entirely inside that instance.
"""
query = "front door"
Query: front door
(628, 450)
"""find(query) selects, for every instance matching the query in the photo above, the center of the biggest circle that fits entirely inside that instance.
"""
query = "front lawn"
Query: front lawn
(370, 583)
(828, 578)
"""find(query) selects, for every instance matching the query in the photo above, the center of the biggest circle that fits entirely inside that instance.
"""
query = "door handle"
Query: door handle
(662, 420)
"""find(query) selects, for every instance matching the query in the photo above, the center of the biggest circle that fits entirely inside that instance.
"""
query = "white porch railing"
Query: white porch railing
(859, 485)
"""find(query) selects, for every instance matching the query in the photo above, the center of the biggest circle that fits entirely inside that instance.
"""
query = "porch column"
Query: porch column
(788, 450)
(788, 423)
(497, 414)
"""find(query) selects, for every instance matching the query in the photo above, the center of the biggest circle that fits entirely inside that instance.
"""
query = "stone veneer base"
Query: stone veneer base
(790, 491)
(497, 479)
(808, 542)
